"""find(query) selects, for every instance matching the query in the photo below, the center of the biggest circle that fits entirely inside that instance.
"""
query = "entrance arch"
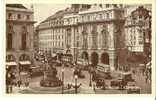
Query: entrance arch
(105, 58)
(84, 55)
(94, 58)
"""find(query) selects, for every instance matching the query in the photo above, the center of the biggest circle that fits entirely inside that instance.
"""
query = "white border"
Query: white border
(51, 96)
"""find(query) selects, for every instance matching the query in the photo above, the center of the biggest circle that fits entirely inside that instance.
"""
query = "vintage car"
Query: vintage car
(126, 76)
(132, 88)
(36, 71)
(120, 83)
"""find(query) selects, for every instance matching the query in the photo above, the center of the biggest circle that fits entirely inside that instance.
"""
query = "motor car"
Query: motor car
(132, 88)
(126, 76)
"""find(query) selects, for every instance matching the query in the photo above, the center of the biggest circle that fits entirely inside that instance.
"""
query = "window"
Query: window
(107, 14)
(19, 16)
(82, 18)
(68, 21)
(28, 17)
(115, 5)
(88, 17)
(107, 5)
(9, 41)
(23, 38)
(140, 16)
(9, 37)
(9, 15)
(10, 58)
(24, 57)
(140, 42)
(100, 16)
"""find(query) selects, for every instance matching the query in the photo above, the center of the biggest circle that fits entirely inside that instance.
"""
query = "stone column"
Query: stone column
(111, 37)
(89, 41)
(99, 41)
(72, 38)
(112, 60)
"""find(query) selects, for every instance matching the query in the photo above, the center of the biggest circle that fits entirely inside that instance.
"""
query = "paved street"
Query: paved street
(34, 86)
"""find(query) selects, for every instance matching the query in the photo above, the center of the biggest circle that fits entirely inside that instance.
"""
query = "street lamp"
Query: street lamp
(62, 80)
(76, 77)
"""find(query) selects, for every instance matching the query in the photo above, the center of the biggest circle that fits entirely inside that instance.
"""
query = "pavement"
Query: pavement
(84, 88)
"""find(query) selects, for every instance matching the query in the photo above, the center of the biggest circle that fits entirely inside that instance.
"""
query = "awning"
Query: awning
(11, 63)
(25, 62)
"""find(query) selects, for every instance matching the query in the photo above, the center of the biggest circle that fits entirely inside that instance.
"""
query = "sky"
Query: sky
(42, 11)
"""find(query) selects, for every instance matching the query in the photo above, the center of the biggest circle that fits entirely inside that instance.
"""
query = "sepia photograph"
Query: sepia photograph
(78, 48)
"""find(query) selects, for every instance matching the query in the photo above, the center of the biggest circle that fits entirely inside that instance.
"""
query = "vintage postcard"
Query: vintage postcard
(79, 48)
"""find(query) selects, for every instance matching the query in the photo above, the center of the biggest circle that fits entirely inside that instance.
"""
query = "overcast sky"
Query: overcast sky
(42, 11)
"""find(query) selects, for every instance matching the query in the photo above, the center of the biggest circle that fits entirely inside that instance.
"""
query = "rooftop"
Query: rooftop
(16, 6)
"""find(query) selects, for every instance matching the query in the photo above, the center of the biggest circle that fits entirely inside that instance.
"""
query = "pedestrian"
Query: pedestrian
(94, 86)
(26, 84)
(19, 82)
(103, 85)
(133, 71)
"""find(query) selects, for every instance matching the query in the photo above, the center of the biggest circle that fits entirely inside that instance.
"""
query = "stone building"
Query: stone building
(87, 32)
(19, 37)
(96, 33)
(138, 31)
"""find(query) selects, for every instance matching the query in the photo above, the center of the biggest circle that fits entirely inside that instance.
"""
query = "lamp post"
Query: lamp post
(76, 84)
(62, 80)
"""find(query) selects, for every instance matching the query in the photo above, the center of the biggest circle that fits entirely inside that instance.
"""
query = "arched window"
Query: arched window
(84, 55)
(105, 58)
(94, 58)
(10, 58)
(24, 57)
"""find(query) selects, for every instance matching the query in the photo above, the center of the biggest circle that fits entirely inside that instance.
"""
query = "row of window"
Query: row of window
(96, 16)
(21, 58)
(18, 16)
(53, 31)
(74, 20)
(51, 37)
(51, 44)
(52, 23)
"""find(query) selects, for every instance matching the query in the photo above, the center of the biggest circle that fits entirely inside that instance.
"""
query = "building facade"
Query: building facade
(92, 33)
(138, 29)
(19, 37)
(138, 33)
(87, 32)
